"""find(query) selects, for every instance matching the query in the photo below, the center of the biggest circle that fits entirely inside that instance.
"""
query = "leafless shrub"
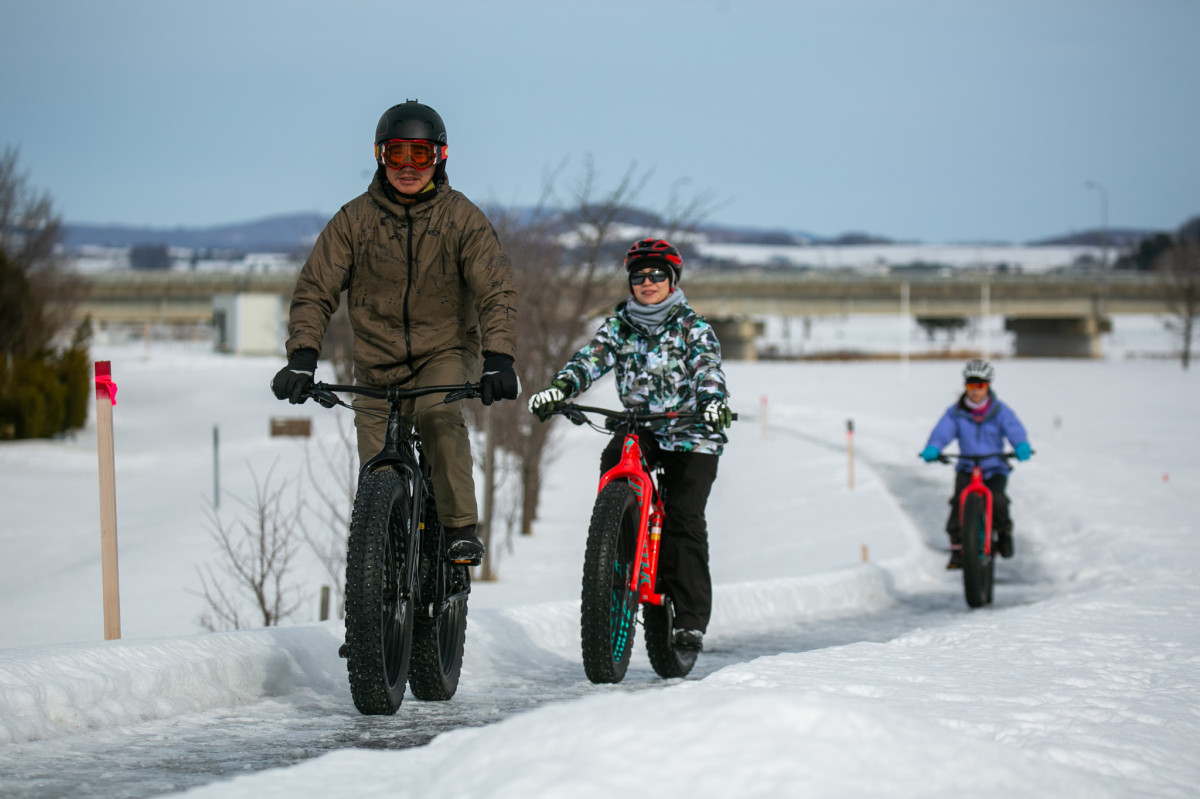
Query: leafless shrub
(1179, 271)
(567, 259)
(332, 476)
(256, 552)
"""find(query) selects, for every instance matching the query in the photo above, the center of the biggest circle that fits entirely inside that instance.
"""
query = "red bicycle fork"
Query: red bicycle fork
(977, 486)
(645, 565)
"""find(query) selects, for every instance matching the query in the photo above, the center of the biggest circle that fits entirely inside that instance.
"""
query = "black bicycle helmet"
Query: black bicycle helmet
(655, 252)
(410, 120)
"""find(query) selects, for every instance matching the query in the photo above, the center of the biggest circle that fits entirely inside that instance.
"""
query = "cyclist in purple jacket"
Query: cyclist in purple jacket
(981, 423)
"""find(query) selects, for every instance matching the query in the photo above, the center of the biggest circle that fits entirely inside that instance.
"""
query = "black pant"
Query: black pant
(1001, 521)
(683, 550)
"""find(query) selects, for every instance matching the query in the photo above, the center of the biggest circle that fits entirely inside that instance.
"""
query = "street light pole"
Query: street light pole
(1098, 186)
(1092, 184)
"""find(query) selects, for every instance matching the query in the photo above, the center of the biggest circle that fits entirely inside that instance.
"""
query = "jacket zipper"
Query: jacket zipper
(408, 289)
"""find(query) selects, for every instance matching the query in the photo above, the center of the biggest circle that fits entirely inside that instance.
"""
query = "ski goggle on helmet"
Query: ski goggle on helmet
(417, 153)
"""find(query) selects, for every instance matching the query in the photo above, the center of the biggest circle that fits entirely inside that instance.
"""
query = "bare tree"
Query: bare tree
(1179, 271)
(37, 293)
(256, 554)
(333, 478)
(567, 266)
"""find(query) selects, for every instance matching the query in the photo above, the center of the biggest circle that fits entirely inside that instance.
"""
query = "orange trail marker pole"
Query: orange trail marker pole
(106, 398)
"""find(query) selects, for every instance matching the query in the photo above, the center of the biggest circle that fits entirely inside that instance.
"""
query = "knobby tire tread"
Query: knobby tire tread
(668, 662)
(976, 566)
(608, 609)
(381, 510)
(438, 643)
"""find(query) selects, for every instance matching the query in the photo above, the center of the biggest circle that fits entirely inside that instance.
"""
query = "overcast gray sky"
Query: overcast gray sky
(934, 120)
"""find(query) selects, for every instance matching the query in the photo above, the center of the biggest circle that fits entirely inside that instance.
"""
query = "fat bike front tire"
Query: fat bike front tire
(608, 610)
(977, 565)
(668, 662)
(379, 603)
(440, 634)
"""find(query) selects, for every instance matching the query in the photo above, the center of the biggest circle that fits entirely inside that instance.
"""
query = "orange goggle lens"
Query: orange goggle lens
(416, 153)
(977, 384)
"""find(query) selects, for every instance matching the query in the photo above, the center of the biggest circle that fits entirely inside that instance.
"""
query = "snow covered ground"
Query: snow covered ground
(874, 678)
(1015, 257)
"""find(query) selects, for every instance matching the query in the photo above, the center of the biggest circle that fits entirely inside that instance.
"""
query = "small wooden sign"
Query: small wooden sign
(300, 426)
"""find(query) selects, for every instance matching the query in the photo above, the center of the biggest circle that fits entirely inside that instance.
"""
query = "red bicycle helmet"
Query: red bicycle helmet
(655, 252)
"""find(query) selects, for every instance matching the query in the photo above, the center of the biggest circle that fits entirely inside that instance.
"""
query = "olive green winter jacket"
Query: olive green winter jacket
(422, 279)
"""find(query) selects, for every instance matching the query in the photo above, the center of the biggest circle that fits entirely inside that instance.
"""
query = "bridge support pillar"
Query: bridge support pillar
(1077, 337)
(737, 337)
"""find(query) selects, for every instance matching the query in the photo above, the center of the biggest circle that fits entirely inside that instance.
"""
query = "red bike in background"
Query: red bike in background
(979, 537)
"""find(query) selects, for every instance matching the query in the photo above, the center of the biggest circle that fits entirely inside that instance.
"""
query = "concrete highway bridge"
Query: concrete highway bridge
(1061, 314)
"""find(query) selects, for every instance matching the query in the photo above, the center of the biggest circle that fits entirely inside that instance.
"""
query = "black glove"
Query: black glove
(499, 381)
(293, 381)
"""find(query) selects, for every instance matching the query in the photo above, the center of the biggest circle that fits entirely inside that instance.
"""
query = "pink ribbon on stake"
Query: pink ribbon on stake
(105, 387)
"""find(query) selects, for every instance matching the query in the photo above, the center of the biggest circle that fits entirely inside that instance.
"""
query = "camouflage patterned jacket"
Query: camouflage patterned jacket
(676, 367)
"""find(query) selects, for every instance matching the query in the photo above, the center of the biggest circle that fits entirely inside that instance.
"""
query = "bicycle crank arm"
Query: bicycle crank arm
(461, 596)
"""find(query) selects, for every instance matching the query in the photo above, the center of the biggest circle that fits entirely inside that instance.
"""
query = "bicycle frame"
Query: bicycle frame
(977, 486)
(633, 469)
(401, 451)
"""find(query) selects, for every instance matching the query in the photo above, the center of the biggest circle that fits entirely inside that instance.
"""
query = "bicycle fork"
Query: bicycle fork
(977, 486)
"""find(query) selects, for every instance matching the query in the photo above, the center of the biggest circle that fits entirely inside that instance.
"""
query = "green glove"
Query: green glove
(717, 415)
(544, 403)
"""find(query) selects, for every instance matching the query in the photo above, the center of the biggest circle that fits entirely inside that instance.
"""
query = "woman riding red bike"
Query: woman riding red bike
(667, 358)
(981, 423)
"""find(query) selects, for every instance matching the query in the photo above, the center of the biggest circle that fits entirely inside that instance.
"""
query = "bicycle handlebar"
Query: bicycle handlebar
(326, 393)
(944, 457)
(576, 414)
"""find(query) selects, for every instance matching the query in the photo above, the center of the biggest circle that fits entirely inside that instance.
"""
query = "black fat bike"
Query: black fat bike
(406, 602)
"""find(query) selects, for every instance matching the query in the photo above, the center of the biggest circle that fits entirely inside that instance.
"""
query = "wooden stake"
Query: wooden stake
(106, 397)
(762, 417)
(864, 553)
(850, 452)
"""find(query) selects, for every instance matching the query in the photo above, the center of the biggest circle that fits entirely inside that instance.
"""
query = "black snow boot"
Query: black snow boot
(463, 546)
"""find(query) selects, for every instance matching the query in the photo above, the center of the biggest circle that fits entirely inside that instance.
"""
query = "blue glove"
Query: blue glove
(930, 454)
(1023, 451)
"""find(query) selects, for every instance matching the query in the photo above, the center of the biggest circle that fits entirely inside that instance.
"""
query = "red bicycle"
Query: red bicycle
(620, 564)
(979, 537)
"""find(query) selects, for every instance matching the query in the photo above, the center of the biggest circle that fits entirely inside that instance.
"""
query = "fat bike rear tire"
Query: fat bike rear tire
(608, 611)
(379, 603)
(978, 564)
(438, 641)
(668, 662)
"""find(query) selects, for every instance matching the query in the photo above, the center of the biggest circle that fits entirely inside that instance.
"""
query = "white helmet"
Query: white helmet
(978, 370)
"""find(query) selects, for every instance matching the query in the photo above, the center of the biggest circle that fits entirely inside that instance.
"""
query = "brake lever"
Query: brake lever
(327, 399)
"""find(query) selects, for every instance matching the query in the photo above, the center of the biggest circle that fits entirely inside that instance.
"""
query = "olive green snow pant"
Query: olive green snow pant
(442, 430)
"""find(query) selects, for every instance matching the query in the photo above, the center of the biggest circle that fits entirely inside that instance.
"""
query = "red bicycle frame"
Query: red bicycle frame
(632, 469)
(977, 486)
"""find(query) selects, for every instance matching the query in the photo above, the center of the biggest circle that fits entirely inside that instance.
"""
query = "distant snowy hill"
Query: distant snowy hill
(272, 234)
(290, 232)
